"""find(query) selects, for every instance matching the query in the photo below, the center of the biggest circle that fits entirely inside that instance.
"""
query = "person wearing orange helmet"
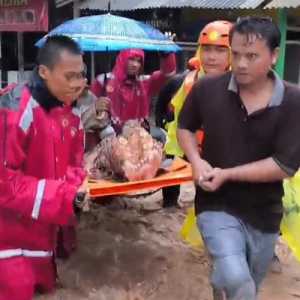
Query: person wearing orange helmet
(212, 55)
(212, 58)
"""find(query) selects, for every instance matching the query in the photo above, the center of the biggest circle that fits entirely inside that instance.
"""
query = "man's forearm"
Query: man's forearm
(188, 144)
(266, 170)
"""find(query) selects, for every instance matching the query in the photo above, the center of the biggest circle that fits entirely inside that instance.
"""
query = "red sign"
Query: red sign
(23, 15)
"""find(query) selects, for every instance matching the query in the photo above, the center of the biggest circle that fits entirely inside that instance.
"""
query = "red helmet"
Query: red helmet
(215, 33)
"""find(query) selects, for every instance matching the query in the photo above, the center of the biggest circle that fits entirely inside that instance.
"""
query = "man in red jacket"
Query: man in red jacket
(41, 173)
(128, 91)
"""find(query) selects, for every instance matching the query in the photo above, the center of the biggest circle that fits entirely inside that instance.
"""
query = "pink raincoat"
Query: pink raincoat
(40, 171)
(130, 99)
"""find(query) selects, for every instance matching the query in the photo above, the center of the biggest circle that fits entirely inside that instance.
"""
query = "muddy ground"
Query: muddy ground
(129, 250)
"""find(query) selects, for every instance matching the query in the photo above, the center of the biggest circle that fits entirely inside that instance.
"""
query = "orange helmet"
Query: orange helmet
(215, 33)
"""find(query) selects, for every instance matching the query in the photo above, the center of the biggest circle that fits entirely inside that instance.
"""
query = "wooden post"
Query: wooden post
(282, 16)
(20, 56)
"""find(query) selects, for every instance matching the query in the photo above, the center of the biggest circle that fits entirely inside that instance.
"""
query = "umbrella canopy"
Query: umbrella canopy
(113, 33)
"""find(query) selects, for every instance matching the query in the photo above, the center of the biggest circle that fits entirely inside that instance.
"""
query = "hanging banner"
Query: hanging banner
(23, 15)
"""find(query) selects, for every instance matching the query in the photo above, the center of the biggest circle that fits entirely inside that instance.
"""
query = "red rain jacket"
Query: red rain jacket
(40, 171)
(130, 99)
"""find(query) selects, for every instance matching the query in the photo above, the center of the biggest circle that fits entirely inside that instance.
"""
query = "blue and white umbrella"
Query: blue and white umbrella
(113, 33)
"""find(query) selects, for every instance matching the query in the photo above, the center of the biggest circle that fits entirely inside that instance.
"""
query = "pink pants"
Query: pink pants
(20, 277)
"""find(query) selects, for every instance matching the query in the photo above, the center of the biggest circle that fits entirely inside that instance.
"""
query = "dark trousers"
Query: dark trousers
(170, 195)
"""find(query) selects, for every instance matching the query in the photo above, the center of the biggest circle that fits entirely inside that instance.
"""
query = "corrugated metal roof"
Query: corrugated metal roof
(145, 4)
(283, 3)
(60, 3)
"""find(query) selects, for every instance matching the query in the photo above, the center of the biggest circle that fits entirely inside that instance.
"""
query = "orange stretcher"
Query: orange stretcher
(179, 172)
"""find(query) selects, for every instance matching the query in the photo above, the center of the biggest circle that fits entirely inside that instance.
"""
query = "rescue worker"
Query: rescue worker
(128, 92)
(41, 170)
(212, 58)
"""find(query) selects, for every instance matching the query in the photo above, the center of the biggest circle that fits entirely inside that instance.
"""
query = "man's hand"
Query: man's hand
(214, 180)
(201, 171)
(102, 104)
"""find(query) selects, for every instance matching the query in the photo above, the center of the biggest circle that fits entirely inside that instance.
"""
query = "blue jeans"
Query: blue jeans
(241, 254)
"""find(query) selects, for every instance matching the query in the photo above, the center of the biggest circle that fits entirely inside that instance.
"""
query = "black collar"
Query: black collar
(278, 91)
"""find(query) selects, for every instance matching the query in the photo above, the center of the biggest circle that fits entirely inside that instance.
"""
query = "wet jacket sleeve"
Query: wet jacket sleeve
(158, 78)
(49, 201)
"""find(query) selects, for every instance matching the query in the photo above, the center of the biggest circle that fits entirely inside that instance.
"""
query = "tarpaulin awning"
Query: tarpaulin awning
(148, 4)
(283, 4)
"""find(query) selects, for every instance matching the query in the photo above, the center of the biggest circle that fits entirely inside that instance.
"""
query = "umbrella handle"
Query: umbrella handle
(104, 85)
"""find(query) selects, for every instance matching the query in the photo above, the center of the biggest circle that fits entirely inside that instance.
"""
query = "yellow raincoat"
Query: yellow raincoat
(290, 224)
(172, 147)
